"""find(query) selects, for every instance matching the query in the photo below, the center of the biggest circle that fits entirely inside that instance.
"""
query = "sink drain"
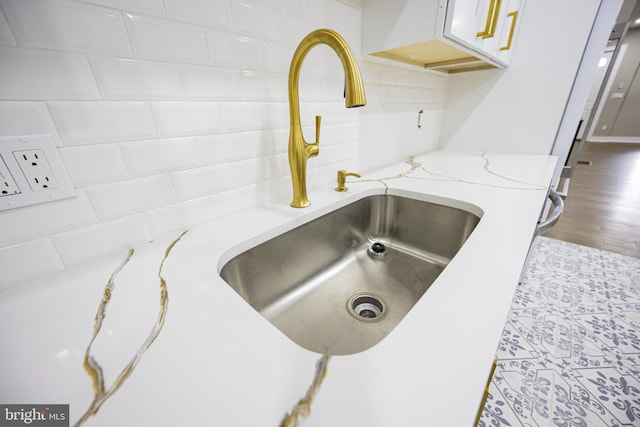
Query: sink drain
(367, 307)
(377, 250)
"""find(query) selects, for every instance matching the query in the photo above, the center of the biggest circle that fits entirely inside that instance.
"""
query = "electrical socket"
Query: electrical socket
(8, 186)
(36, 169)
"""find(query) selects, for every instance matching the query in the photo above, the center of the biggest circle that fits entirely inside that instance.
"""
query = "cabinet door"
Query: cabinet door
(464, 21)
(509, 29)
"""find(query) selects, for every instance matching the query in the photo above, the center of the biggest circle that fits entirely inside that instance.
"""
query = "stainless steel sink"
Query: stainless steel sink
(340, 283)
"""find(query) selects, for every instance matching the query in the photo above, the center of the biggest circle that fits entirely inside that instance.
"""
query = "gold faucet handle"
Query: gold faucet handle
(342, 179)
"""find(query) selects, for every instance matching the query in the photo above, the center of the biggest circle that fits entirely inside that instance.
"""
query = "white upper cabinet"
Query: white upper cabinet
(446, 35)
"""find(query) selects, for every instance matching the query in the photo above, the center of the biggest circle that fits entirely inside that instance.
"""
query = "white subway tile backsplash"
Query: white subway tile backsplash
(346, 20)
(132, 196)
(195, 183)
(231, 50)
(6, 36)
(94, 164)
(286, 6)
(146, 7)
(27, 261)
(134, 79)
(258, 20)
(160, 156)
(68, 25)
(317, 11)
(203, 12)
(262, 86)
(179, 217)
(154, 38)
(19, 225)
(202, 82)
(26, 118)
(186, 118)
(227, 147)
(230, 202)
(277, 56)
(105, 238)
(81, 123)
(29, 74)
(239, 116)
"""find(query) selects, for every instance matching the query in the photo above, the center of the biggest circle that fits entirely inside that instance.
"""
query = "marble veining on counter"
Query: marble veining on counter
(215, 354)
(419, 171)
(100, 393)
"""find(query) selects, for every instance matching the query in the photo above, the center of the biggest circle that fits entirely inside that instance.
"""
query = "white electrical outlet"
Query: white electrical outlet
(36, 169)
(34, 172)
(8, 186)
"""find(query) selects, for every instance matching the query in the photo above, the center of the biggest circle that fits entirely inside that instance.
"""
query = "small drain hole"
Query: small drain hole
(367, 307)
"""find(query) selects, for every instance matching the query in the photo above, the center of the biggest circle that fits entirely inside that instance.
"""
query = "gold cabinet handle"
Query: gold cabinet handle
(492, 19)
(514, 18)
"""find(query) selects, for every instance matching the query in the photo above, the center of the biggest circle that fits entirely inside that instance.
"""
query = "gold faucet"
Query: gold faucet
(300, 150)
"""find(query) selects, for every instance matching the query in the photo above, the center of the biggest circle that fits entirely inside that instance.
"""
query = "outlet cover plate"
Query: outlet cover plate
(30, 159)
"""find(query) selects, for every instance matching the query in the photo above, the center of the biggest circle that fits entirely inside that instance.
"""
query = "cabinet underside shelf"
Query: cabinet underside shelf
(435, 55)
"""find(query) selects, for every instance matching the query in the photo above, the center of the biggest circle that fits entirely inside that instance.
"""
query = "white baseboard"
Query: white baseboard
(620, 139)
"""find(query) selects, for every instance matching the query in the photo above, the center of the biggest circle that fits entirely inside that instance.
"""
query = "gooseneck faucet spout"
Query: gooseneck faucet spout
(300, 150)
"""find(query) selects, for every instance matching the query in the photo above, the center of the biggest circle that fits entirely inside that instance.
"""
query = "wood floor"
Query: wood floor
(602, 209)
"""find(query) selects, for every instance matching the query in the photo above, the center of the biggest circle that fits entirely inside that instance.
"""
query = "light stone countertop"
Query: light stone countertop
(204, 357)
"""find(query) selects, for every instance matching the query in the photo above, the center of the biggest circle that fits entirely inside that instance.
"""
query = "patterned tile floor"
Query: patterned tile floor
(570, 352)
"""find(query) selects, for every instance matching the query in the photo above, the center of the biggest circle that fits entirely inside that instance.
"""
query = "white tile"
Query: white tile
(280, 115)
(27, 261)
(277, 56)
(237, 116)
(161, 39)
(175, 218)
(265, 86)
(233, 201)
(233, 50)
(286, 6)
(317, 10)
(66, 25)
(131, 196)
(82, 123)
(202, 82)
(94, 164)
(254, 171)
(203, 12)
(29, 74)
(26, 118)
(201, 182)
(134, 79)
(160, 156)
(225, 147)
(147, 7)
(6, 36)
(186, 118)
(20, 225)
(346, 19)
(258, 20)
(101, 239)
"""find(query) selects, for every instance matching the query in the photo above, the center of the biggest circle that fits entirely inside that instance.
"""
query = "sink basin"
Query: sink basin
(340, 283)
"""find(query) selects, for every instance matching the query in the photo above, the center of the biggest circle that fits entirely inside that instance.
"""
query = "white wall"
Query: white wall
(519, 109)
(169, 113)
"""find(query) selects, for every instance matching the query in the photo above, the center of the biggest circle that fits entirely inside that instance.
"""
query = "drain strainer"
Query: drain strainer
(367, 307)
(377, 250)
